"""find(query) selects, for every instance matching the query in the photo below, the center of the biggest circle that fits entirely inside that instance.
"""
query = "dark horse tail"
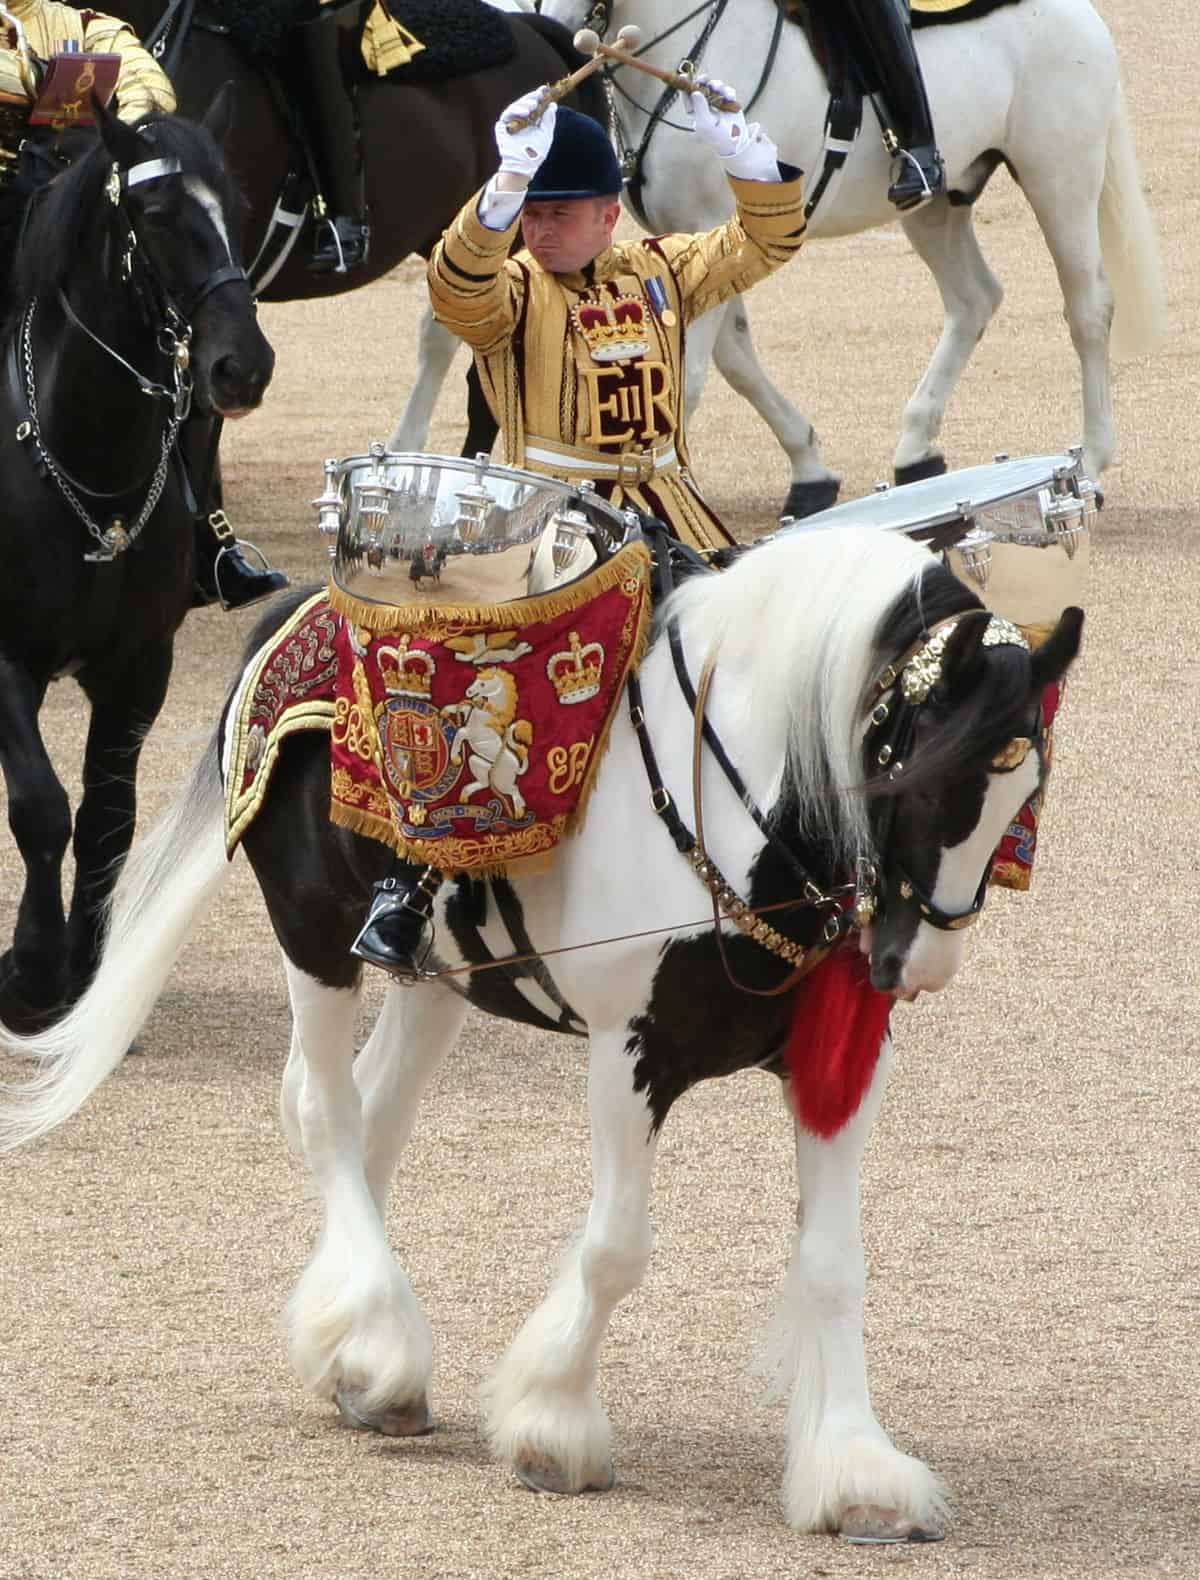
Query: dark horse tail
(589, 97)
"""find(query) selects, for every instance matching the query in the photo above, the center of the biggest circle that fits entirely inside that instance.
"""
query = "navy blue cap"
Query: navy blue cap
(581, 162)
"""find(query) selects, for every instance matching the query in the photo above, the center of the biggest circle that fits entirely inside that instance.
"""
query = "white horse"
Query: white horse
(834, 652)
(1033, 85)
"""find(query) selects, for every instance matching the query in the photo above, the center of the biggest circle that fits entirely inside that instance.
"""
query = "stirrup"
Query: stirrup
(341, 244)
(244, 583)
(907, 193)
(397, 935)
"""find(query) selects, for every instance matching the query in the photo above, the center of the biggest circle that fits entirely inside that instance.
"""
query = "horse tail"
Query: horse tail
(1130, 246)
(168, 877)
(519, 738)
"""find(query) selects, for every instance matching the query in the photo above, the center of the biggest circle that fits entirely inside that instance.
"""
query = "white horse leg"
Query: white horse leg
(813, 486)
(355, 1329)
(944, 237)
(435, 352)
(415, 1030)
(843, 1473)
(701, 338)
(543, 1414)
(1067, 209)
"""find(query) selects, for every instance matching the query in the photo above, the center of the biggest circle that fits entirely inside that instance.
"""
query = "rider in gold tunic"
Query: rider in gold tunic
(32, 32)
(579, 340)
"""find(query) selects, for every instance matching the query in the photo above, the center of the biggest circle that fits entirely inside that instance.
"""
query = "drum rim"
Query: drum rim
(471, 467)
(1053, 466)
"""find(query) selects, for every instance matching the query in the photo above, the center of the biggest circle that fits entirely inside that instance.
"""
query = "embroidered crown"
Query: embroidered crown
(614, 329)
(575, 675)
(407, 674)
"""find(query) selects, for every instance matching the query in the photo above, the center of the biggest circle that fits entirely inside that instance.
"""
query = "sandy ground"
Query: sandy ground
(1029, 1207)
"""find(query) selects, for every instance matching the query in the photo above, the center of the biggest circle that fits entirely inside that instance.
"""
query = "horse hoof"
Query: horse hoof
(806, 499)
(22, 1010)
(917, 471)
(540, 1473)
(875, 1527)
(394, 1420)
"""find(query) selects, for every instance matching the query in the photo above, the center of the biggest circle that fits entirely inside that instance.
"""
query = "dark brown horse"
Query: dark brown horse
(426, 146)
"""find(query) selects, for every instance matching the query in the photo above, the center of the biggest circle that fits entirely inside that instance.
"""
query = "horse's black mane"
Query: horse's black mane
(61, 213)
(971, 733)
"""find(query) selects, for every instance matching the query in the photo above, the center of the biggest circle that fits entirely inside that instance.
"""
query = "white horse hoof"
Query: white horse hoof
(540, 1473)
(869, 1526)
(393, 1420)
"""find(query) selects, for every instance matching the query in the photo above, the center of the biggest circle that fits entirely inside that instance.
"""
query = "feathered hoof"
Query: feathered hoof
(395, 1420)
(540, 1473)
(870, 1526)
(917, 471)
(806, 499)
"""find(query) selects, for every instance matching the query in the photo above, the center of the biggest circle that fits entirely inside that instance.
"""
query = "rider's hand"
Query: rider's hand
(521, 153)
(744, 150)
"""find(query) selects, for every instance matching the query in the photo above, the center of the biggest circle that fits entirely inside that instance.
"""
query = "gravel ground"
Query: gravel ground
(1033, 1247)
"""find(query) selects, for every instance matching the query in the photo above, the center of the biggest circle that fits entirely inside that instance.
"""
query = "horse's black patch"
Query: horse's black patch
(698, 1024)
(496, 990)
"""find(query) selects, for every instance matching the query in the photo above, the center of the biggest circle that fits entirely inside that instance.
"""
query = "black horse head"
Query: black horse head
(955, 747)
(138, 237)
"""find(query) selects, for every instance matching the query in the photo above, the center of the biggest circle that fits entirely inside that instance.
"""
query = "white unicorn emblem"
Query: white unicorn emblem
(495, 741)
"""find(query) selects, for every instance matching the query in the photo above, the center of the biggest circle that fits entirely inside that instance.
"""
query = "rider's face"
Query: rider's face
(567, 234)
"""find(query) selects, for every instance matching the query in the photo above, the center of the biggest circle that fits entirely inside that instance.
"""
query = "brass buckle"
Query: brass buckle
(634, 466)
(222, 527)
(660, 800)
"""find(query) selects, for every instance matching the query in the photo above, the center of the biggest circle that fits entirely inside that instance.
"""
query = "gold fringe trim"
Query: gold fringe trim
(438, 622)
(1010, 875)
(242, 807)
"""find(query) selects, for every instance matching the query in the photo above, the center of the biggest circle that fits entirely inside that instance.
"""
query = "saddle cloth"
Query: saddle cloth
(469, 743)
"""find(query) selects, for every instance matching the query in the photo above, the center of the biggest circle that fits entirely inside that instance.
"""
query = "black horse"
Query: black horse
(130, 305)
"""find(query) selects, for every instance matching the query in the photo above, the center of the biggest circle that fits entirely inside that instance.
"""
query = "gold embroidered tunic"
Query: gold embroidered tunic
(584, 371)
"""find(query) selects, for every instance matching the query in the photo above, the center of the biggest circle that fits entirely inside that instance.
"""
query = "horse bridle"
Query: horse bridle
(174, 337)
(891, 716)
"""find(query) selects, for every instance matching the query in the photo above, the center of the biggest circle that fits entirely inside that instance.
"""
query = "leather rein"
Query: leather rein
(895, 697)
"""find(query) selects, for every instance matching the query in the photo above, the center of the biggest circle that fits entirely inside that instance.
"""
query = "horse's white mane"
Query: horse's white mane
(797, 621)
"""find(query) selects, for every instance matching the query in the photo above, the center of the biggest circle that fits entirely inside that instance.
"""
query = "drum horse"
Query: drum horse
(871, 731)
(1032, 87)
(130, 309)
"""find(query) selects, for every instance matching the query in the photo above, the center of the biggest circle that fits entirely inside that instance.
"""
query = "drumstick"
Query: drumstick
(588, 42)
(631, 37)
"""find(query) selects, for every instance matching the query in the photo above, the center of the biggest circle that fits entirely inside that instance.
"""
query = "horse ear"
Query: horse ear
(1060, 649)
(121, 140)
(962, 657)
(218, 118)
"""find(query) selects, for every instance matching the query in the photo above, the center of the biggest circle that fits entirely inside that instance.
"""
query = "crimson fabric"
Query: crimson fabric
(838, 1025)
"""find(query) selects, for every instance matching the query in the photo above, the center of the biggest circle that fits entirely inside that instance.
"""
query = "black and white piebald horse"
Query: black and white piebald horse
(130, 310)
(828, 663)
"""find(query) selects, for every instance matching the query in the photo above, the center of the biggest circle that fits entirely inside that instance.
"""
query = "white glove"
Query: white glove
(745, 151)
(521, 153)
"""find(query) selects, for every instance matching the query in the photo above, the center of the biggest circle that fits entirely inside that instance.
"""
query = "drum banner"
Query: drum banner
(1013, 866)
(472, 745)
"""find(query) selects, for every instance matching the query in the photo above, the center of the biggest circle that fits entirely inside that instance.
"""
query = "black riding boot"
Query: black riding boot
(223, 575)
(883, 32)
(398, 930)
(325, 56)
